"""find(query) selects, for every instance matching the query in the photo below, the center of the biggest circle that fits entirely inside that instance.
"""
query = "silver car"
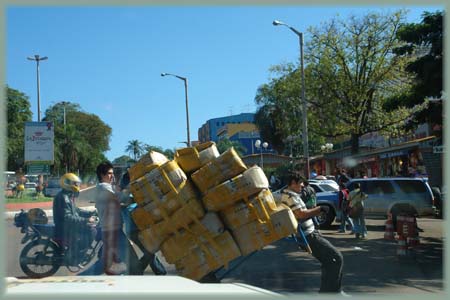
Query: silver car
(412, 196)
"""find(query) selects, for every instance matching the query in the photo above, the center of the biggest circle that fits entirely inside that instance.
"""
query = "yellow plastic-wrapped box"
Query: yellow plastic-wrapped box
(250, 182)
(141, 218)
(255, 235)
(151, 239)
(248, 210)
(170, 202)
(146, 163)
(193, 158)
(158, 182)
(224, 167)
(154, 234)
(208, 257)
(184, 240)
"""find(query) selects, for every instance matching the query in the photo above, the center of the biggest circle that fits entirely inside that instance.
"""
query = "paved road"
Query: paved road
(371, 266)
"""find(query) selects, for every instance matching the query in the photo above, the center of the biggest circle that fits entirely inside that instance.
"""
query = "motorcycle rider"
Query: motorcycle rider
(74, 227)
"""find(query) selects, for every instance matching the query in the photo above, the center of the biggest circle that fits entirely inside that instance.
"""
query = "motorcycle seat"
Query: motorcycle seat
(46, 229)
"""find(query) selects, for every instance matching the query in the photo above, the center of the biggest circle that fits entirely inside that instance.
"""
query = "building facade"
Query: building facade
(209, 131)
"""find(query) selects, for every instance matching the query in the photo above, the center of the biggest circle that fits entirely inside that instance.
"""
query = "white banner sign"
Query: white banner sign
(39, 138)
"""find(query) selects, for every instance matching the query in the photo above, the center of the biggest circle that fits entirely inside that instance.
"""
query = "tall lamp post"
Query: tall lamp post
(260, 146)
(187, 109)
(64, 103)
(37, 58)
(305, 115)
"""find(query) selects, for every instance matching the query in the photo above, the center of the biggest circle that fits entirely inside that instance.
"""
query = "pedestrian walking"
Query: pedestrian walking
(356, 198)
(343, 208)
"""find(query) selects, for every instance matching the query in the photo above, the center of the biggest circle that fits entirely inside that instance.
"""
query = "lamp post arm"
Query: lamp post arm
(295, 31)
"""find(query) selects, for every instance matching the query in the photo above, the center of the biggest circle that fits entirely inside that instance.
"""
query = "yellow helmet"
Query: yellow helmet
(70, 182)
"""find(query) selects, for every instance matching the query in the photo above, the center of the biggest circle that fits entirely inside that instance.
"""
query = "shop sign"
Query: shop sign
(393, 154)
(366, 160)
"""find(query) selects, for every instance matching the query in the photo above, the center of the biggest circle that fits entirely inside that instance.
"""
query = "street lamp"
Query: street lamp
(327, 147)
(305, 115)
(187, 110)
(64, 103)
(38, 59)
(260, 145)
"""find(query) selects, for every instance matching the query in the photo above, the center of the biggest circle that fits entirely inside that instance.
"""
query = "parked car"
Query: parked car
(30, 186)
(385, 195)
(51, 188)
(331, 183)
(412, 196)
(324, 185)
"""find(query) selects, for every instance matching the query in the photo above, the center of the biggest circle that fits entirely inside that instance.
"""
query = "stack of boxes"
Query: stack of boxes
(203, 210)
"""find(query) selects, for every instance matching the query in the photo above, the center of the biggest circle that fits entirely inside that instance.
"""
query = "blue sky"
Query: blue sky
(109, 59)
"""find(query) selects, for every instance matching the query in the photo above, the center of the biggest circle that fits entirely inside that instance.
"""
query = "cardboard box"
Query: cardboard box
(182, 242)
(193, 158)
(250, 182)
(222, 168)
(255, 235)
(208, 257)
(158, 182)
(244, 212)
(146, 163)
(170, 202)
(152, 235)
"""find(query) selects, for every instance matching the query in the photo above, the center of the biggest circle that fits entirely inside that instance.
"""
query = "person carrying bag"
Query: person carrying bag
(356, 199)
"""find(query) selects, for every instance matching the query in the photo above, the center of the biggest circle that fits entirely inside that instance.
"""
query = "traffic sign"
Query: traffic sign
(36, 169)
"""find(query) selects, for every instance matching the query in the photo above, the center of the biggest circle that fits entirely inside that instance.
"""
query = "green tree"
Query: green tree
(135, 148)
(350, 72)
(279, 114)
(169, 153)
(124, 159)
(225, 144)
(18, 112)
(424, 43)
(80, 144)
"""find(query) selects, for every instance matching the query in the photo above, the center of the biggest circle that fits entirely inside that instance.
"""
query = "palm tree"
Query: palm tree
(135, 148)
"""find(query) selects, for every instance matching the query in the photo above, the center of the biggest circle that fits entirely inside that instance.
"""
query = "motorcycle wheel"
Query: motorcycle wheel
(40, 259)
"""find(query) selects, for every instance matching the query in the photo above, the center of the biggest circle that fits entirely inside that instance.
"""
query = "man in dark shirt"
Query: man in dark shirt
(74, 228)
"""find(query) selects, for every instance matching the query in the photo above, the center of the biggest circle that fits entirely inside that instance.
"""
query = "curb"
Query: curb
(9, 215)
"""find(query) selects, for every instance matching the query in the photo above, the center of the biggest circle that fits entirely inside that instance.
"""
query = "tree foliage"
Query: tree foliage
(279, 116)
(18, 112)
(135, 148)
(169, 153)
(80, 144)
(350, 72)
(124, 159)
(424, 44)
(225, 144)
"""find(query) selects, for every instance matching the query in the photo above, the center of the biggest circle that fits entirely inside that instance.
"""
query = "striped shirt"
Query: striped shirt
(294, 201)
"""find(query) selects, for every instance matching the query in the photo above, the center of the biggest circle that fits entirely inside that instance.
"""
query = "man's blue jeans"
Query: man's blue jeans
(345, 219)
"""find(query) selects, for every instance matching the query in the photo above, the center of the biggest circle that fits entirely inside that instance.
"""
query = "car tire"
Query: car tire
(325, 219)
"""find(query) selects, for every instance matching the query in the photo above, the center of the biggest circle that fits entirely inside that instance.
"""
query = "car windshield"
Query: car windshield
(328, 188)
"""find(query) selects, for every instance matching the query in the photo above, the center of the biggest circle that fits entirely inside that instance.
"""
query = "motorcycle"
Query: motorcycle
(43, 255)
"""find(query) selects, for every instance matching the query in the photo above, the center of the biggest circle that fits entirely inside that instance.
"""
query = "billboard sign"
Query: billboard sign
(39, 137)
